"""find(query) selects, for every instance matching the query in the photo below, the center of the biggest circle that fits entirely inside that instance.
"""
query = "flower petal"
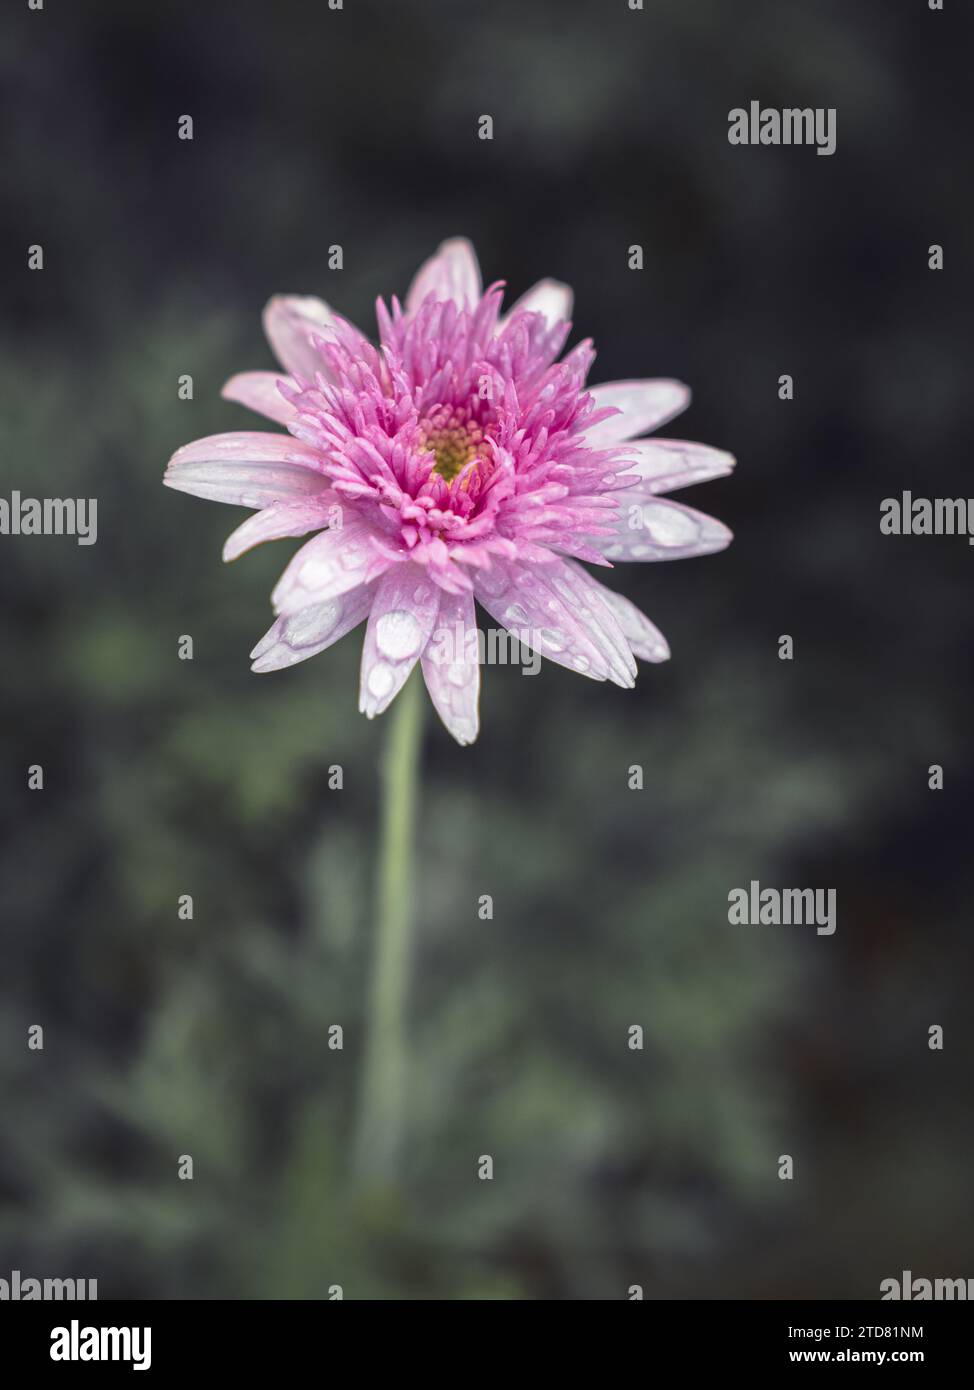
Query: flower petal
(664, 465)
(247, 469)
(451, 668)
(402, 618)
(330, 564)
(557, 610)
(452, 273)
(644, 406)
(644, 637)
(657, 530)
(295, 638)
(290, 322)
(282, 519)
(259, 391)
(548, 297)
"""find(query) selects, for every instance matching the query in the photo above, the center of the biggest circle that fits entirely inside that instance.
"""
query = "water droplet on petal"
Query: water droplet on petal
(670, 526)
(314, 624)
(552, 638)
(316, 571)
(458, 674)
(515, 613)
(398, 635)
(381, 680)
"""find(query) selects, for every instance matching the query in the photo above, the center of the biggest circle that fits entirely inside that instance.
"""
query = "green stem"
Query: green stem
(384, 1077)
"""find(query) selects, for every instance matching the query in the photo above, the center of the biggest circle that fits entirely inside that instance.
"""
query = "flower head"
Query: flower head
(461, 458)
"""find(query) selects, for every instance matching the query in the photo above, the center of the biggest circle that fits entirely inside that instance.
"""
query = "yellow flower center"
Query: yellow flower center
(454, 444)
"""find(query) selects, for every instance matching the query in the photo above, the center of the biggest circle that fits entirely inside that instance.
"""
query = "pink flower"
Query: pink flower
(459, 459)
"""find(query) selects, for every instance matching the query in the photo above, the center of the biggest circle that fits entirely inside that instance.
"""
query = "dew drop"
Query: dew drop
(670, 526)
(317, 571)
(398, 635)
(381, 680)
(314, 624)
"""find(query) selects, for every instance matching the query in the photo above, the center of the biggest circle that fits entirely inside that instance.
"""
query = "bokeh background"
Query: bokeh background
(163, 777)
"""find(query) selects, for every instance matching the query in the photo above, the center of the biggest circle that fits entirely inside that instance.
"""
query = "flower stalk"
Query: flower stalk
(382, 1101)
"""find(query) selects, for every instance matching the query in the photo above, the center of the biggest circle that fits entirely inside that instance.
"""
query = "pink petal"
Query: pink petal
(295, 638)
(658, 530)
(667, 464)
(290, 321)
(452, 273)
(259, 391)
(330, 564)
(557, 610)
(451, 669)
(645, 405)
(402, 618)
(644, 637)
(282, 519)
(246, 469)
(548, 297)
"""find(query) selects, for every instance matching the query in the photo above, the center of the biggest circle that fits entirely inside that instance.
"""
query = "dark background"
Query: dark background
(163, 777)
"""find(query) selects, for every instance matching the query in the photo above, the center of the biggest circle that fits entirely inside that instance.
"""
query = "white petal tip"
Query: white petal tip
(456, 243)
